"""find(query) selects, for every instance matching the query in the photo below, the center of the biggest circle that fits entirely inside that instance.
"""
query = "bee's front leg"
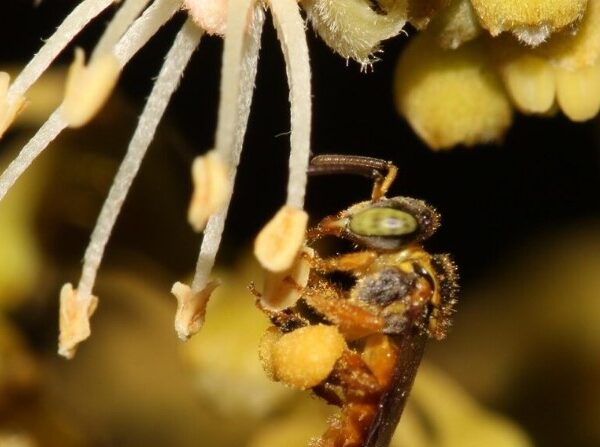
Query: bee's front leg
(352, 320)
(353, 263)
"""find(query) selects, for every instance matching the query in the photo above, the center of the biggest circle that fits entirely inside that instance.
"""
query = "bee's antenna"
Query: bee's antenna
(382, 172)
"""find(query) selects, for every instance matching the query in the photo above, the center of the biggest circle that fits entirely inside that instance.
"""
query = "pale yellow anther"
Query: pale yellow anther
(532, 21)
(277, 245)
(191, 308)
(530, 82)
(211, 188)
(451, 97)
(8, 111)
(578, 92)
(88, 87)
(283, 289)
(305, 357)
(210, 15)
(74, 319)
(573, 49)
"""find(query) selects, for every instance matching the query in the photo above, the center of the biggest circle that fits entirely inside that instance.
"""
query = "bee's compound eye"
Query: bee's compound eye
(383, 222)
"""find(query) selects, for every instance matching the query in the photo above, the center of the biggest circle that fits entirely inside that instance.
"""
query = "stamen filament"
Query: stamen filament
(233, 119)
(78, 19)
(135, 38)
(142, 30)
(34, 147)
(238, 13)
(123, 18)
(290, 29)
(166, 83)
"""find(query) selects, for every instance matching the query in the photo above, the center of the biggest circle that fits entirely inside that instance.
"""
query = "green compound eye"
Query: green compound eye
(383, 222)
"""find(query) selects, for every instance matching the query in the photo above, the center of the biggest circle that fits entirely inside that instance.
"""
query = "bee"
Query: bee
(358, 343)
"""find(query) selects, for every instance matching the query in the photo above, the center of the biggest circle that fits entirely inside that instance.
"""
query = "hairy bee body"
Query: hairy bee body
(398, 296)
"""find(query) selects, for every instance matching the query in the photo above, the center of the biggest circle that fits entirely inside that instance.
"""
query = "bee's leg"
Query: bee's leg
(348, 428)
(445, 295)
(348, 262)
(355, 378)
(352, 320)
(358, 392)
(381, 356)
(285, 320)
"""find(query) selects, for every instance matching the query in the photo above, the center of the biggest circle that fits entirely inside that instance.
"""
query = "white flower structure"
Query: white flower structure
(89, 85)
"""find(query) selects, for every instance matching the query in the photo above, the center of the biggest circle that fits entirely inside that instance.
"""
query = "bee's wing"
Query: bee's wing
(411, 345)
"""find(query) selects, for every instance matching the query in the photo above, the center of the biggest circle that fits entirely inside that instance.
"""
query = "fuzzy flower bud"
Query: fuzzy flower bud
(529, 79)
(451, 97)
(531, 21)
(572, 50)
(353, 28)
(578, 92)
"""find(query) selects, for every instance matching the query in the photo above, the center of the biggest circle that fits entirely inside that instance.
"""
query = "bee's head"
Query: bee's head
(385, 225)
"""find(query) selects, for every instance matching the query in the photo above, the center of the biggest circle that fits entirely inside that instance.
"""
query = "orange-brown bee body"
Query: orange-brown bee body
(398, 295)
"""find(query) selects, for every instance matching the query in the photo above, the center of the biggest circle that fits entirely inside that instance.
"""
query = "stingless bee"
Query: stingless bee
(358, 345)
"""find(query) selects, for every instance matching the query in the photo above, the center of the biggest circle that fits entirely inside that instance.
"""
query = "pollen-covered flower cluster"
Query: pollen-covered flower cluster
(461, 78)
(471, 64)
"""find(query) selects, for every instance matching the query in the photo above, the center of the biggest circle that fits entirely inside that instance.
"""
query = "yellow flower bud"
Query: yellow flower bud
(532, 21)
(352, 28)
(578, 92)
(528, 78)
(572, 50)
(451, 97)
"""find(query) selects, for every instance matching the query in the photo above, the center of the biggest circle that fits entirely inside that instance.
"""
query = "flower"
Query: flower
(89, 85)
(459, 81)
(354, 35)
(449, 88)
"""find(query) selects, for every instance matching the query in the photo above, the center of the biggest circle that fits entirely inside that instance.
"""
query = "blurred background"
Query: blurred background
(522, 219)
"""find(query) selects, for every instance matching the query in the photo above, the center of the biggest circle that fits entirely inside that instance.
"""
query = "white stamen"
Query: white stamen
(43, 137)
(237, 88)
(166, 83)
(290, 29)
(142, 30)
(135, 38)
(83, 14)
(118, 25)
(237, 20)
